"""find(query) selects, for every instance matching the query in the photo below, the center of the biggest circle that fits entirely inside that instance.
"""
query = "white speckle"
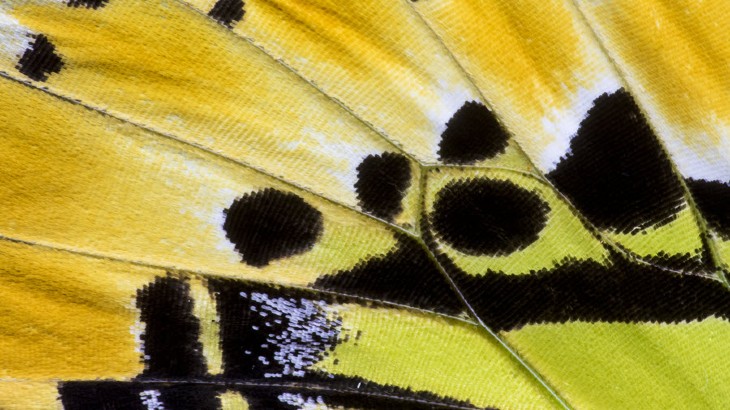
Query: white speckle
(302, 403)
(150, 398)
(563, 124)
(310, 331)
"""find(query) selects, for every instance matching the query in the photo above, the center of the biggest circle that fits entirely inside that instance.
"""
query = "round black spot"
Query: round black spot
(472, 134)
(271, 224)
(617, 174)
(713, 200)
(488, 217)
(382, 181)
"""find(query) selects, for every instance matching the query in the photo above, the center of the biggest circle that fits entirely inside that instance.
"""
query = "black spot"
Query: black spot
(617, 174)
(40, 59)
(171, 345)
(191, 397)
(471, 135)
(623, 292)
(228, 12)
(382, 181)
(85, 395)
(89, 4)
(713, 200)
(271, 224)
(406, 276)
(488, 217)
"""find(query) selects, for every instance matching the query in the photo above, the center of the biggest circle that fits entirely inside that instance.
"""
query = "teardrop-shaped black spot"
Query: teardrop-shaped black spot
(472, 134)
(616, 173)
(381, 184)
(89, 4)
(228, 12)
(488, 217)
(40, 59)
(271, 224)
(713, 199)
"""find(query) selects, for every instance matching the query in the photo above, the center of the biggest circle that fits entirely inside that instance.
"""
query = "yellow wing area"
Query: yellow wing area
(647, 366)
(76, 179)
(164, 66)
(542, 71)
(375, 56)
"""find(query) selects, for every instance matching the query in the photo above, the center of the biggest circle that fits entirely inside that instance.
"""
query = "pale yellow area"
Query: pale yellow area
(631, 366)
(723, 249)
(29, 395)
(204, 308)
(532, 59)
(66, 316)
(423, 351)
(678, 54)
(376, 57)
(678, 237)
(75, 179)
(408, 217)
(564, 235)
(232, 400)
(162, 64)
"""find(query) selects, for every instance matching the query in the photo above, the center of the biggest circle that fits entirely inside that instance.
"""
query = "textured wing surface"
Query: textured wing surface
(219, 204)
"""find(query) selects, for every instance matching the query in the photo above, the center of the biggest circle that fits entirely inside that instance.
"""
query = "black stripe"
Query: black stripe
(171, 332)
(406, 275)
(623, 292)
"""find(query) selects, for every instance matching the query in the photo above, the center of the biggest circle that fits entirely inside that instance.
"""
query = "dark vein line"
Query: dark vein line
(475, 317)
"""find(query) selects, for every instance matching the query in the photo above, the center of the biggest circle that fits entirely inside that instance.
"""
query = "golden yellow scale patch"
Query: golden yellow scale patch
(67, 316)
(163, 65)
(376, 57)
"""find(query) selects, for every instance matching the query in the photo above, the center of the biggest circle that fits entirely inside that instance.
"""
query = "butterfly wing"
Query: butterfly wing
(321, 205)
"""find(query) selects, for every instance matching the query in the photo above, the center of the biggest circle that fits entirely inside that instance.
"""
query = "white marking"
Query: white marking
(310, 332)
(150, 398)
(308, 403)
(14, 37)
(563, 124)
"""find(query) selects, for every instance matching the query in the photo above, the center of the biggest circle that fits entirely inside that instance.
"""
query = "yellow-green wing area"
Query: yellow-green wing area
(219, 204)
